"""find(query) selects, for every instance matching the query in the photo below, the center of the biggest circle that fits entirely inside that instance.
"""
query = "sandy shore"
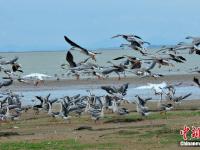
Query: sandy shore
(67, 83)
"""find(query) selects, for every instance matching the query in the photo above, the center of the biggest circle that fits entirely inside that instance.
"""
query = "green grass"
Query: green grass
(150, 134)
(186, 113)
(69, 144)
(134, 117)
(128, 132)
(165, 135)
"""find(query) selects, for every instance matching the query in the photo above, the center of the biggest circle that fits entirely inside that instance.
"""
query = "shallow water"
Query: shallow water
(132, 91)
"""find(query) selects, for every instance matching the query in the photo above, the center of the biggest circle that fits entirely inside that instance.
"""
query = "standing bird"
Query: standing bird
(83, 50)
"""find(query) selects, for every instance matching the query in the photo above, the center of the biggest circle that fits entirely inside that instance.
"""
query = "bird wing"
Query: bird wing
(10, 61)
(14, 60)
(47, 97)
(116, 36)
(141, 101)
(121, 57)
(196, 80)
(147, 99)
(124, 88)
(152, 65)
(75, 45)
(108, 89)
(84, 61)
(12, 106)
(76, 96)
(177, 58)
(108, 71)
(186, 95)
(40, 98)
(136, 43)
(53, 101)
(7, 83)
(137, 37)
(172, 55)
(182, 58)
(147, 42)
(197, 52)
(70, 59)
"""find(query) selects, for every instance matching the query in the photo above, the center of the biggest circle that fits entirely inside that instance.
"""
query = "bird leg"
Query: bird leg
(124, 74)
(36, 83)
(77, 77)
(119, 78)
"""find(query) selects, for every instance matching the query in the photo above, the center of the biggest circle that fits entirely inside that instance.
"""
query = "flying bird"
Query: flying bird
(82, 50)
(112, 89)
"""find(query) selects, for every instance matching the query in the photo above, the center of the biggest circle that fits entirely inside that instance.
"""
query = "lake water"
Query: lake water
(49, 63)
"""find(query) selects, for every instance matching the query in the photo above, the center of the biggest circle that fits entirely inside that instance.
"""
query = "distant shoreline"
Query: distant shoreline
(32, 51)
(96, 49)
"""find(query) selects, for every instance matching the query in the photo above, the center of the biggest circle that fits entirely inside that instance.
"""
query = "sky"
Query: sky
(28, 25)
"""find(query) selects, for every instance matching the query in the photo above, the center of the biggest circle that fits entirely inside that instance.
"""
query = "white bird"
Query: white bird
(36, 76)
(157, 87)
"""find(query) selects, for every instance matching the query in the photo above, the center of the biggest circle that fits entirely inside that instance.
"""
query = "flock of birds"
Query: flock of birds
(142, 67)
(11, 105)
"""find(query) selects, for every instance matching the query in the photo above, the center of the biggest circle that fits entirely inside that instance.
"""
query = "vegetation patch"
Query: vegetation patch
(70, 144)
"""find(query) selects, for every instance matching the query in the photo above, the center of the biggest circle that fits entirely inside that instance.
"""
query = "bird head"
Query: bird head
(93, 57)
